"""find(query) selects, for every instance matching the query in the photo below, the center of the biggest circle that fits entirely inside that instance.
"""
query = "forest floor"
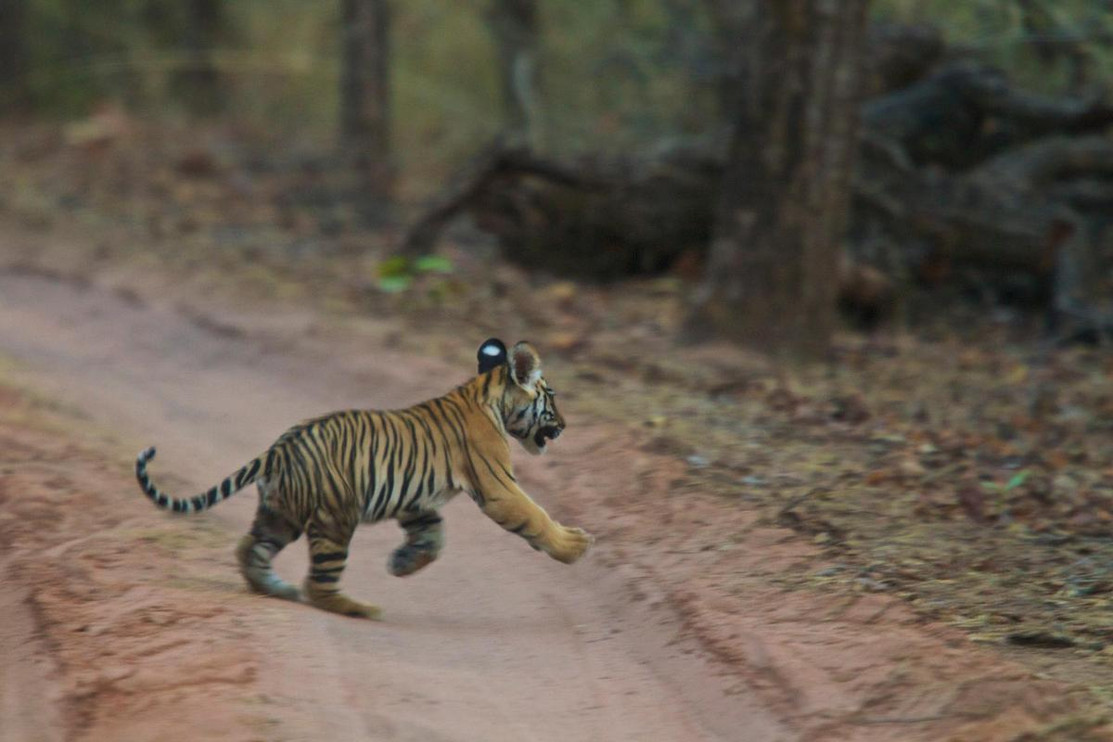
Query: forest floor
(911, 541)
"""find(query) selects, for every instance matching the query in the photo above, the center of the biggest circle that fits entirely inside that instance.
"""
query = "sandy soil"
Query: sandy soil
(126, 623)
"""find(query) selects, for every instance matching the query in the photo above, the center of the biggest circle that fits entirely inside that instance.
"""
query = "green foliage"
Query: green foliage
(433, 264)
(72, 43)
(446, 101)
(615, 75)
(619, 75)
(1017, 479)
(397, 274)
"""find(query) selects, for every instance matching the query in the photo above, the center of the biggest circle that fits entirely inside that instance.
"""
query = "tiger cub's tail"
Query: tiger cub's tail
(231, 484)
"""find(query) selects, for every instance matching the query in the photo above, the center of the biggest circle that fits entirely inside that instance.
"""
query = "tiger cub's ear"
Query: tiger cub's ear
(525, 365)
(491, 353)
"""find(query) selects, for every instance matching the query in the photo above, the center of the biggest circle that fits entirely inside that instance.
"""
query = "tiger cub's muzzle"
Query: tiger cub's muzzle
(547, 433)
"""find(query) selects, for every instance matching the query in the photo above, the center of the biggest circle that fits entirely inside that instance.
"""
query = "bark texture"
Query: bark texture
(783, 204)
(198, 84)
(365, 94)
(14, 91)
(514, 27)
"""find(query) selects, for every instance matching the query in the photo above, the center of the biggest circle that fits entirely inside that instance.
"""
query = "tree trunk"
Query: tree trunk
(514, 26)
(199, 83)
(784, 200)
(14, 91)
(732, 22)
(365, 94)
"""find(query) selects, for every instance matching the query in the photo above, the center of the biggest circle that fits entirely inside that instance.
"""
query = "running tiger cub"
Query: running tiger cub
(326, 475)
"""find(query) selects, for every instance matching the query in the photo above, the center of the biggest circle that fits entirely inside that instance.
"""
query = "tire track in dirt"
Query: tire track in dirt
(29, 698)
(92, 614)
(494, 642)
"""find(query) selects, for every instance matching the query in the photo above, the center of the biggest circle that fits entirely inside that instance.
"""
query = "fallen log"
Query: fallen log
(603, 219)
(596, 217)
(900, 55)
(467, 188)
(967, 113)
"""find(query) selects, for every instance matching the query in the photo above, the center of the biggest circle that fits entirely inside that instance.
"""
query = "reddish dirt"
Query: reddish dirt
(144, 613)
(126, 623)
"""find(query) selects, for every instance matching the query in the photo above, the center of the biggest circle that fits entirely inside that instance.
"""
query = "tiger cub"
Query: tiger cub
(326, 475)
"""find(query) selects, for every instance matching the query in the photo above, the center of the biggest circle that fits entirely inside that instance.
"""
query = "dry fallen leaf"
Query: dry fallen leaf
(971, 496)
(910, 468)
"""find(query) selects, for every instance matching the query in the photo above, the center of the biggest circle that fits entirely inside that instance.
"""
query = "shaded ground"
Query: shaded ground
(943, 489)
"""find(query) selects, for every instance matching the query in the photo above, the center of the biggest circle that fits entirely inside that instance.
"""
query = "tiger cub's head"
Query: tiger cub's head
(529, 410)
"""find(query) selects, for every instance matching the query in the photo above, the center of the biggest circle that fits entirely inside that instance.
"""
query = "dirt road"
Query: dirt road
(494, 642)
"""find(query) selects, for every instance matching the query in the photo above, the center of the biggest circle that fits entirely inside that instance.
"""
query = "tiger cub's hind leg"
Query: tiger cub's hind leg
(424, 540)
(328, 554)
(269, 534)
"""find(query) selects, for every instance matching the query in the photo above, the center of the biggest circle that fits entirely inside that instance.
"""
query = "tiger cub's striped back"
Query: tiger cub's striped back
(326, 475)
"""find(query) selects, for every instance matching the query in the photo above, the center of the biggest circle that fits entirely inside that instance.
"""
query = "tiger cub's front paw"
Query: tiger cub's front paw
(570, 544)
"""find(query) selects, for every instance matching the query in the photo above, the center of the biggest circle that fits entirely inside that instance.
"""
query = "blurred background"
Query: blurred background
(849, 264)
(959, 150)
